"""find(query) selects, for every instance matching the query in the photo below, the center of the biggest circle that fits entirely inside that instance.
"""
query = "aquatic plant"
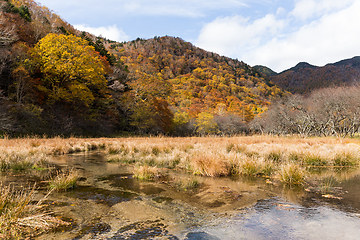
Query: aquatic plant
(292, 174)
(327, 184)
(229, 147)
(207, 156)
(64, 180)
(274, 156)
(186, 184)
(146, 173)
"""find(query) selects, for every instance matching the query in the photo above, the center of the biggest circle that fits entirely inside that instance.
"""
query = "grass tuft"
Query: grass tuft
(292, 174)
(344, 160)
(146, 173)
(209, 165)
(186, 184)
(314, 160)
(274, 156)
(64, 180)
(249, 167)
(229, 147)
(20, 218)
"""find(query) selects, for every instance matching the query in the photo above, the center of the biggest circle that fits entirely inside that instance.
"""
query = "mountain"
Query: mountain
(265, 70)
(300, 66)
(158, 85)
(304, 78)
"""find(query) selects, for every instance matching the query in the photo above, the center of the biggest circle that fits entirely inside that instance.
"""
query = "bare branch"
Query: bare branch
(7, 32)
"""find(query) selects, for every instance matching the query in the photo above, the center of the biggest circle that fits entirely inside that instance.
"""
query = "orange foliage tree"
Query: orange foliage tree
(72, 70)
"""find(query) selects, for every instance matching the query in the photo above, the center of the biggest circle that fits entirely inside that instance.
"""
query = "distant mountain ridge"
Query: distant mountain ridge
(304, 77)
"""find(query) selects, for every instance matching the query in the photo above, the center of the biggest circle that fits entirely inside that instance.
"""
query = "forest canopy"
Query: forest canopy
(70, 68)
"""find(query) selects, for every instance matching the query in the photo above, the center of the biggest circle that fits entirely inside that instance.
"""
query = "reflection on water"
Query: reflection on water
(109, 204)
(276, 219)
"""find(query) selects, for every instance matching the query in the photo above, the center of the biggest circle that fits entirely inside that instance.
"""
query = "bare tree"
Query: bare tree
(337, 110)
(7, 32)
(229, 125)
(326, 112)
(5, 119)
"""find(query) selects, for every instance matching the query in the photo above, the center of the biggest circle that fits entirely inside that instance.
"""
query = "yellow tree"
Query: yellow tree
(72, 70)
(205, 124)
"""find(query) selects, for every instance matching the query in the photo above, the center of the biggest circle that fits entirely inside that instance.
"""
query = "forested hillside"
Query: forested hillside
(304, 78)
(57, 80)
(191, 83)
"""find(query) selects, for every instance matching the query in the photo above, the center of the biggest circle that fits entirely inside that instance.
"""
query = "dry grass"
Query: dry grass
(146, 173)
(292, 174)
(20, 217)
(208, 156)
(257, 155)
(64, 180)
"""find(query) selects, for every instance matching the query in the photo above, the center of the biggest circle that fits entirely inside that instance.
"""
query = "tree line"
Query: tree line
(331, 111)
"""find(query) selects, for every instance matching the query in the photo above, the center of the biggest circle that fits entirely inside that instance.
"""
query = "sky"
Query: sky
(274, 33)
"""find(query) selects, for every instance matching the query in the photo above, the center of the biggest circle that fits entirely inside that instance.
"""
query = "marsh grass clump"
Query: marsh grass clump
(64, 180)
(268, 168)
(146, 173)
(344, 160)
(239, 148)
(189, 184)
(327, 184)
(292, 174)
(295, 157)
(251, 154)
(229, 147)
(35, 143)
(249, 167)
(274, 156)
(209, 165)
(172, 162)
(113, 151)
(20, 217)
(119, 158)
(135, 150)
(314, 160)
(187, 148)
(118, 150)
(155, 150)
(20, 161)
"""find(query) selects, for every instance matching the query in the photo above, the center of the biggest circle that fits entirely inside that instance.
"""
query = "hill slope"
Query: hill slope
(265, 70)
(198, 80)
(304, 78)
(158, 85)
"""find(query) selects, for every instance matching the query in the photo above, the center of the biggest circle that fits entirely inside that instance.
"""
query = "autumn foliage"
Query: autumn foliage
(193, 82)
(70, 68)
(63, 81)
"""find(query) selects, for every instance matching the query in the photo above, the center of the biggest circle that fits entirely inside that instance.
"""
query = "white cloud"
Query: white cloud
(109, 32)
(231, 36)
(328, 39)
(278, 42)
(305, 9)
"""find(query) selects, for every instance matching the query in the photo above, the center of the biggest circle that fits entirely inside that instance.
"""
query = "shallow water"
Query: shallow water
(109, 204)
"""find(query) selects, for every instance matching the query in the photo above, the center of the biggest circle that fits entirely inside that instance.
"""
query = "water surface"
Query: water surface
(109, 204)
